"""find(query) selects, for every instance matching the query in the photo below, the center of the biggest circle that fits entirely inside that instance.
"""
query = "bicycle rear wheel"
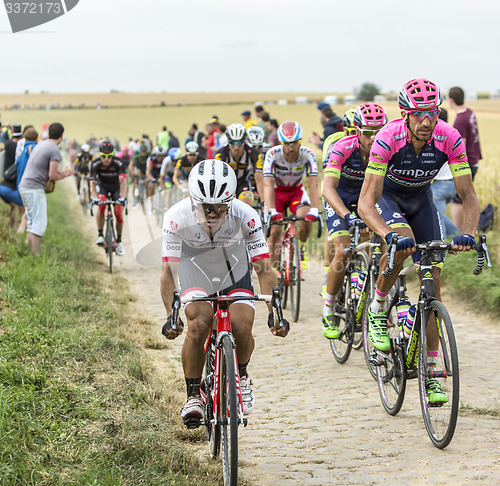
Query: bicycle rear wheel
(341, 347)
(213, 430)
(440, 418)
(110, 243)
(229, 412)
(295, 278)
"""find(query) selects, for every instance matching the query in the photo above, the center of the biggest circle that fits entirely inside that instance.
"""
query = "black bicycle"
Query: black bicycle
(351, 299)
(431, 331)
(110, 234)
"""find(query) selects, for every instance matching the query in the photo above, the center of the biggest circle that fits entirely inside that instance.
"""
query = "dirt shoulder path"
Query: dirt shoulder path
(317, 422)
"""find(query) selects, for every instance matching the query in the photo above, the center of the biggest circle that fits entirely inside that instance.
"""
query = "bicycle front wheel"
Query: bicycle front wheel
(229, 413)
(295, 278)
(84, 200)
(281, 277)
(440, 417)
(110, 243)
(213, 428)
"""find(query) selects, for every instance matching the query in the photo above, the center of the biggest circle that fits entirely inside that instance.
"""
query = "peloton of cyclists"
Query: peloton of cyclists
(107, 175)
(343, 179)
(396, 198)
(284, 169)
(206, 239)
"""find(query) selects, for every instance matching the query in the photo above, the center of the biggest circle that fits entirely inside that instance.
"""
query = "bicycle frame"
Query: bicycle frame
(221, 311)
(290, 232)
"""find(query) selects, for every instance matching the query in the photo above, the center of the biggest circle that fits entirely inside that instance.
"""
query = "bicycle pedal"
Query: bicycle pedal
(192, 422)
(436, 404)
(245, 422)
(375, 362)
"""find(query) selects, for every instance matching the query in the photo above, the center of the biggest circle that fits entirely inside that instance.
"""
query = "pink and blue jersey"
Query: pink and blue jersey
(392, 155)
(346, 164)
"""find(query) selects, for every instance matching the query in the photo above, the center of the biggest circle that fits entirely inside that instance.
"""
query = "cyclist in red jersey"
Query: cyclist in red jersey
(284, 170)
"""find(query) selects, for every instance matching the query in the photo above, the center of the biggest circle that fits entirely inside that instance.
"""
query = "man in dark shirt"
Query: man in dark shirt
(10, 146)
(466, 124)
(107, 175)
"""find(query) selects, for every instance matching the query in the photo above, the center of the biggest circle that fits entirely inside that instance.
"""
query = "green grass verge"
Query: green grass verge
(482, 291)
(78, 404)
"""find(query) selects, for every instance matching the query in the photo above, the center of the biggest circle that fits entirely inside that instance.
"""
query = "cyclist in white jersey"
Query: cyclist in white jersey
(207, 239)
(284, 169)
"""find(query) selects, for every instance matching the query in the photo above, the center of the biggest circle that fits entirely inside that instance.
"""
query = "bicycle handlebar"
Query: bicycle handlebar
(108, 202)
(274, 298)
(431, 246)
(286, 219)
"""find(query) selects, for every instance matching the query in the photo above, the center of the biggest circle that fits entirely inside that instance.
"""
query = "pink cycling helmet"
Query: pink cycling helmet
(370, 115)
(420, 94)
(289, 131)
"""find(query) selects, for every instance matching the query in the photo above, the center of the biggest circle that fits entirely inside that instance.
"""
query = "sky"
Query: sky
(258, 46)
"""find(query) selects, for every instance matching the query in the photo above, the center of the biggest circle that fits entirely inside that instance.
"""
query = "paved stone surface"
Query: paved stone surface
(318, 422)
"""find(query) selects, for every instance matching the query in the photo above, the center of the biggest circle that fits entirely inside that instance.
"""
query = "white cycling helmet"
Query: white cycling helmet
(235, 131)
(85, 147)
(212, 182)
(255, 136)
(192, 147)
(159, 150)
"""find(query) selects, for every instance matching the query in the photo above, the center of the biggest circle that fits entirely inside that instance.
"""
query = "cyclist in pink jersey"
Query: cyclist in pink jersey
(343, 179)
(284, 169)
(396, 198)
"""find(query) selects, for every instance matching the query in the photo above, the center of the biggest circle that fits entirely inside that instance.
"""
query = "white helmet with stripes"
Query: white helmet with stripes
(212, 182)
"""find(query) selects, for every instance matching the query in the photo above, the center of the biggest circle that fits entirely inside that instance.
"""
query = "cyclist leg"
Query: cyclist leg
(120, 248)
(99, 217)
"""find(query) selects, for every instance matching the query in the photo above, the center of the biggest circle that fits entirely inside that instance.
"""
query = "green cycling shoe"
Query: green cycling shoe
(435, 392)
(330, 330)
(377, 330)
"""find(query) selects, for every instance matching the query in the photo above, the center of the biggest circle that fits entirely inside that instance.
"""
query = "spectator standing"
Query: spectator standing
(173, 141)
(331, 124)
(163, 138)
(467, 126)
(247, 121)
(10, 146)
(198, 136)
(20, 144)
(273, 125)
(43, 164)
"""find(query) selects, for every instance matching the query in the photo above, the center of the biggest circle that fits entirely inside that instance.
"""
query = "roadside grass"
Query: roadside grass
(79, 403)
(482, 292)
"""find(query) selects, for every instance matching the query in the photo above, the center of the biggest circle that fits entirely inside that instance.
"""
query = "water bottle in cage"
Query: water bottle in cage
(360, 284)
(410, 319)
(354, 282)
(402, 308)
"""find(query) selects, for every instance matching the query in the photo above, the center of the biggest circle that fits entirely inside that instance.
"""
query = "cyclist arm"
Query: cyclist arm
(471, 211)
(330, 185)
(148, 170)
(167, 284)
(123, 185)
(269, 192)
(267, 280)
(312, 185)
(371, 192)
(176, 180)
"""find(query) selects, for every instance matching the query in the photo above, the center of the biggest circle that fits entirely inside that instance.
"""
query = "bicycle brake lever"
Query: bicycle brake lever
(176, 304)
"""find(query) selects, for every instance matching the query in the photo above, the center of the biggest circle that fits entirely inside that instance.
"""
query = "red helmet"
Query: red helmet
(420, 94)
(289, 131)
